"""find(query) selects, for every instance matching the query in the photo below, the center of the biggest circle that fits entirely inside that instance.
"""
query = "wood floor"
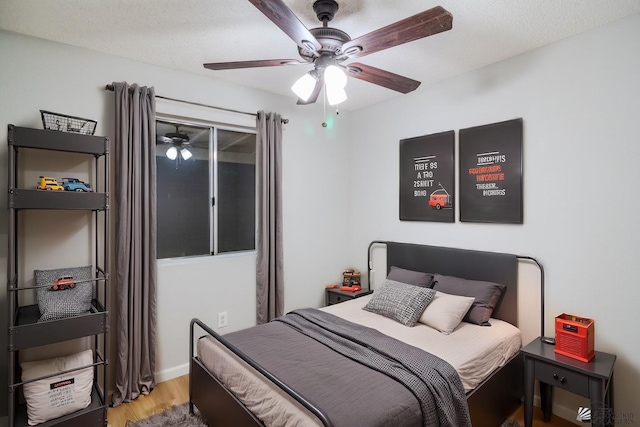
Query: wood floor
(176, 391)
(164, 396)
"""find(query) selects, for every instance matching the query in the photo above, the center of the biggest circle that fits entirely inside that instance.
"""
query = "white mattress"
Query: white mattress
(474, 351)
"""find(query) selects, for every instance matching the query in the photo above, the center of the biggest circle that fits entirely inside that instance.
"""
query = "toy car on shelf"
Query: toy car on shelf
(63, 283)
(48, 183)
(74, 184)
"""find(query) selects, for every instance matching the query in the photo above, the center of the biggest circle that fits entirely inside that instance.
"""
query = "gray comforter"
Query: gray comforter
(357, 375)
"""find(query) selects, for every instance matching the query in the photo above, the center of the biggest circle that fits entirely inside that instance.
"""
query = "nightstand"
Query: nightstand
(593, 380)
(335, 296)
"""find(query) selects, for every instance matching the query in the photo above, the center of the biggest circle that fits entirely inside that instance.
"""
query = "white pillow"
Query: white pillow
(59, 395)
(446, 311)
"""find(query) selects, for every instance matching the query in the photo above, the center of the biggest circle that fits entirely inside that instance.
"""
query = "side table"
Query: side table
(593, 380)
(335, 295)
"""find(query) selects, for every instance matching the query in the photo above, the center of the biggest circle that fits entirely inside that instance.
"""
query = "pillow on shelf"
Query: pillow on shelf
(486, 294)
(445, 311)
(417, 278)
(399, 301)
(64, 303)
(58, 395)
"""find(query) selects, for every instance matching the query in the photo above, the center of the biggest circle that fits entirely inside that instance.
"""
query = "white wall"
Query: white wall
(37, 74)
(579, 99)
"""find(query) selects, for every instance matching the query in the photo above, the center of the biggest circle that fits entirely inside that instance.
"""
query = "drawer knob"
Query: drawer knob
(561, 379)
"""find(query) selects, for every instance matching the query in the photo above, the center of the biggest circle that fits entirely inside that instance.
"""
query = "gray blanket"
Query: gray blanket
(434, 382)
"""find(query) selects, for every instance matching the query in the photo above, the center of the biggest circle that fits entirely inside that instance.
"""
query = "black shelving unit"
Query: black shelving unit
(37, 199)
(24, 329)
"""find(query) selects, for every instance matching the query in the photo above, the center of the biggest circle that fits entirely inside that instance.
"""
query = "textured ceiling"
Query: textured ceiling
(184, 34)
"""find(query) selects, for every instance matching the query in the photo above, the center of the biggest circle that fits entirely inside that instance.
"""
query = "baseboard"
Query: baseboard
(171, 373)
(559, 410)
(568, 414)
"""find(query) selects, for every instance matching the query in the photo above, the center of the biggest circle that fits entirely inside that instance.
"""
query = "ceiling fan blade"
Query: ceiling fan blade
(424, 24)
(287, 21)
(252, 64)
(382, 78)
(314, 95)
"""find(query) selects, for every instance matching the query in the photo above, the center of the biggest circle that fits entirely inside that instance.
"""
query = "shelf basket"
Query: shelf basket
(65, 123)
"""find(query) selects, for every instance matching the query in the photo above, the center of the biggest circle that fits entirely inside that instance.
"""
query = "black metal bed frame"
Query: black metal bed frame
(490, 403)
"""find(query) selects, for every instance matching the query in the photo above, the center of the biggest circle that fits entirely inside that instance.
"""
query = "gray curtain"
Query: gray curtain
(135, 240)
(269, 264)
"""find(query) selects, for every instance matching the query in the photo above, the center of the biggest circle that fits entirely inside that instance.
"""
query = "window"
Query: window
(206, 194)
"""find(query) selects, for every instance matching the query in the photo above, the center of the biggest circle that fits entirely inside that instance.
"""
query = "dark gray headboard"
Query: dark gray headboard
(468, 264)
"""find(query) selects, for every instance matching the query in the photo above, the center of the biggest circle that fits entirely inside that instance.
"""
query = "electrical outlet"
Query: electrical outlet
(222, 319)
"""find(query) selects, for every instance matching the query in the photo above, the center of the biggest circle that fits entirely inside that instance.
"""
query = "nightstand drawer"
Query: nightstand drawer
(563, 378)
(335, 298)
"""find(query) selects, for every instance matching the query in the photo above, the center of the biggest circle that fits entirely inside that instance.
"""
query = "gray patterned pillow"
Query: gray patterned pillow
(69, 302)
(399, 301)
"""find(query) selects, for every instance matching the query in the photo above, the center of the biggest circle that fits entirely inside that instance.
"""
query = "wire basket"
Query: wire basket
(64, 123)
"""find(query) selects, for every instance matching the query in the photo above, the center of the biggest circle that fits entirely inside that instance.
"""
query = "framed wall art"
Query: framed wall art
(491, 173)
(427, 178)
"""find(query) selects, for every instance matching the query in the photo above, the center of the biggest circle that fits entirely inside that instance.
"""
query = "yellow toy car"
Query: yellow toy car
(48, 183)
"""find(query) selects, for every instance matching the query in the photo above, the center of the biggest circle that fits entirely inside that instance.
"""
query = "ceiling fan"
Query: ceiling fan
(179, 144)
(326, 48)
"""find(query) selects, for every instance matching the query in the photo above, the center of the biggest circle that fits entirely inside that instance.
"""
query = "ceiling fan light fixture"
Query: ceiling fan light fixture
(186, 154)
(335, 80)
(172, 153)
(336, 96)
(304, 86)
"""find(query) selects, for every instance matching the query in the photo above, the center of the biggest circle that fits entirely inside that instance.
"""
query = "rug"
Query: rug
(179, 416)
(510, 423)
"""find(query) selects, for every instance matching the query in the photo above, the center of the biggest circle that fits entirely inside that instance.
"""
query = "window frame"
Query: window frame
(213, 186)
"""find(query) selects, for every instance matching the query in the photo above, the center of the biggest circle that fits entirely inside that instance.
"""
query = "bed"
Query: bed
(490, 392)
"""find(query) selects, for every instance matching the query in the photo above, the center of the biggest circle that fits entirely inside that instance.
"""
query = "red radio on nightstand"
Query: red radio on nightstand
(574, 337)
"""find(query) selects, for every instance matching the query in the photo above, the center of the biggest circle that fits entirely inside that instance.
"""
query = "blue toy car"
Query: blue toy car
(74, 184)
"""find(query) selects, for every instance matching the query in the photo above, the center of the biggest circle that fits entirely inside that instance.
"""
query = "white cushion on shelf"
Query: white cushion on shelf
(61, 394)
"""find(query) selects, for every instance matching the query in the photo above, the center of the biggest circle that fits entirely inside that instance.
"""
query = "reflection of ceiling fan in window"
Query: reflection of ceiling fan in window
(179, 145)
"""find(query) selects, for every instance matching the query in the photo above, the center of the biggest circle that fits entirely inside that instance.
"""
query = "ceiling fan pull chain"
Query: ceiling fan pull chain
(324, 100)
(324, 105)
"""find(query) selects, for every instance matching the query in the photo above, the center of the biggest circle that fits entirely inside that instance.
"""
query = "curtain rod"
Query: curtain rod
(285, 121)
